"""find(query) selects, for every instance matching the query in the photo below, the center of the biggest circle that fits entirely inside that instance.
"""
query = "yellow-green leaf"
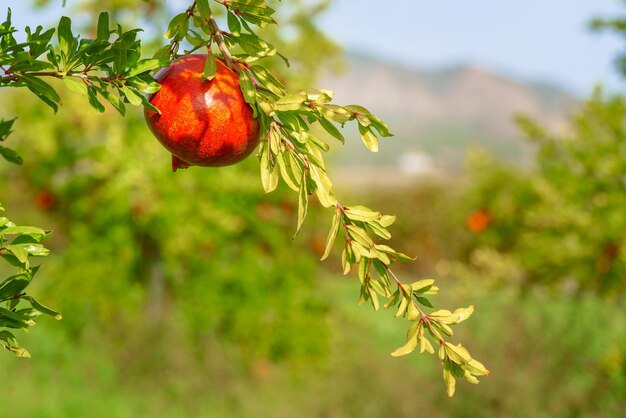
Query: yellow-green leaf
(406, 348)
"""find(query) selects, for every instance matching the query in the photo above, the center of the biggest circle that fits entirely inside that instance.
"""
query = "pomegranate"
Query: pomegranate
(202, 122)
(478, 221)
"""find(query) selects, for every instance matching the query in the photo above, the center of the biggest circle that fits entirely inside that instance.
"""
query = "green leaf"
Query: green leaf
(5, 128)
(103, 27)
(425, 345)
(335, 113)
(360, 235)
(117, 103)
(363, 120)
(358, 110)
(268, 80)
(203, 9)
(415, 330)
(13, 285)
(303, 201)
(457, 353)
(392, 300)
(369, 139)
(404, 304)
(315, 141)
(133, 97)
(403, 258)
(210, 67)
(289, 102)
(75, 85)
(66, 39)
(163, 52)
(19, 352)
(233, 24)
(42, 90)
(28, 230)
(407, 348)
(332, 234)
(18, 251)
(424, 301)
(374, 300)
(247, 88)
(364, 295)
(361, 213)
(269, 176)
(254, 46)
(364, 267)
(23, 321)
(318, 96)
(446, 317)
(387, 220)
(412, 312)
(194, 38)
(10, 155)
(287, 174)
(476, 367)
(177, 28)
(323, 191)
(8, 338)
(360, 251)
(379, 125)
(144, 66)
(30, 246)
(379, 230)
(331, 129)
(423, 286)
(345, 260)
(148, 105)
(378, 287)
(42, 308)
(93, 99)
(449, 380)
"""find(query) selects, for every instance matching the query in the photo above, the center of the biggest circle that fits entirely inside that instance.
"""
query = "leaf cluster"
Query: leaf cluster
(109, 68)
(18, 310)
(7, 153)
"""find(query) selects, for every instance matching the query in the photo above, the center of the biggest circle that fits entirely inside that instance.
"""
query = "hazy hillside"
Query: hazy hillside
(435, 115)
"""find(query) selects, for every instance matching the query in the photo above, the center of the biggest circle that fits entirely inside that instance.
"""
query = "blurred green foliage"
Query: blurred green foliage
(542, 367)
(137, 244)
(561, 224)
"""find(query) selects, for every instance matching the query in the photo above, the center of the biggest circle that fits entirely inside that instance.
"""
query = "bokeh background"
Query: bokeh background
(184, 295)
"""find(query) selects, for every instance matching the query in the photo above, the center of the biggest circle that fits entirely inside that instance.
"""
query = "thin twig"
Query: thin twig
(221, 44)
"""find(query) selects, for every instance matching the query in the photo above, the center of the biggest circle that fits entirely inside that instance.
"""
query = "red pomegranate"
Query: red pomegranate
(204, 123)
(478, 221)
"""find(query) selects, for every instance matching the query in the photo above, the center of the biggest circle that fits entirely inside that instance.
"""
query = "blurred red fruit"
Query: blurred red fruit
(478, 221)
(45, 200)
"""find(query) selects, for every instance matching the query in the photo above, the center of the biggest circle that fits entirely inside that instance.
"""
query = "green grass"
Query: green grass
(549, 357)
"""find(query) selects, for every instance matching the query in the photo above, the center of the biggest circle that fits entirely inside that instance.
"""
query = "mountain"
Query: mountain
(436, 115)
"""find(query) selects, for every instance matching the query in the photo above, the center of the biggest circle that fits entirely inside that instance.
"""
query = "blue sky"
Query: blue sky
(545, 40)
(541, 40)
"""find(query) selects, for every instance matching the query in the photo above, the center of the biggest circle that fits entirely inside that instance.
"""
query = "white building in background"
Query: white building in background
(416, 163)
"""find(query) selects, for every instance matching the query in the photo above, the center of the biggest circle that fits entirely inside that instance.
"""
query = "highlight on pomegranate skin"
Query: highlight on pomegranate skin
(204, 123)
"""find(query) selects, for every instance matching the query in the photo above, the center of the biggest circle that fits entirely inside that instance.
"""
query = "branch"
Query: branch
(221, 44)
(56, 74)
